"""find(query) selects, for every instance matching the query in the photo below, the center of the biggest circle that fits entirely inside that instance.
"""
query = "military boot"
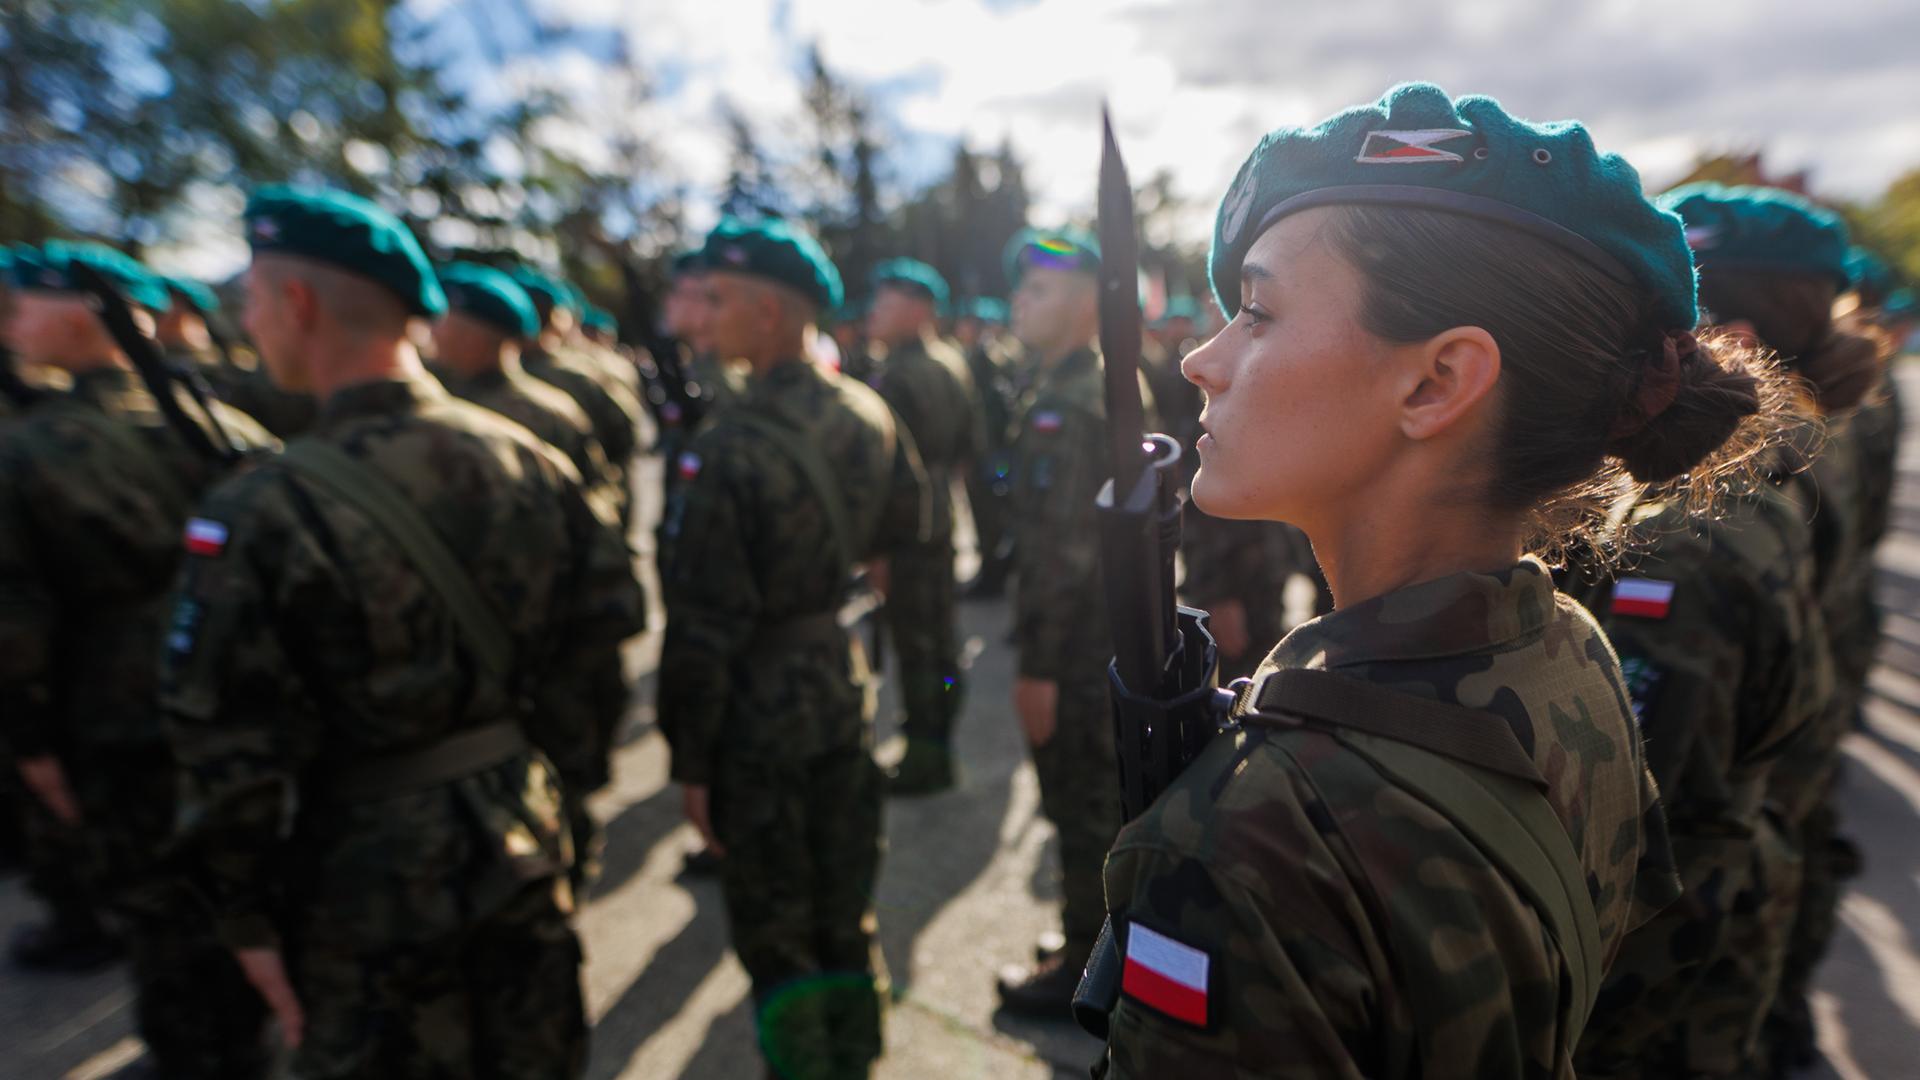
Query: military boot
(1044, 990)
(926, 769)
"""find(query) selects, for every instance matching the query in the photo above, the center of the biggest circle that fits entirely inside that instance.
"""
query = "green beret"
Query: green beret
(50, 268)
(777, 251)
(986, 309)
(490, 296)
(200, 298)
(1760, 228)
(1868, 273)
(913, 275)
(599, 318)
(1179, 307)
(1417, 148)
(852, 311)
(548, 292)
(1056, 249)
(1900, 304)
(348, 232)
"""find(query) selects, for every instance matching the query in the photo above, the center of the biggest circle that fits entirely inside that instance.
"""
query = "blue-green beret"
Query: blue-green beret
(1416, 147)
(851, 311)
(1179, 307)
(914, 275)
(348, 232)
(1900, 304)
(986, 309)
(1869, 273)
(1055, 249)
(49, 268)
(599, 318)
(547, 292)
(1760, 228)
(688, 262)
(197, 295)
(490, 296)
(777, 251)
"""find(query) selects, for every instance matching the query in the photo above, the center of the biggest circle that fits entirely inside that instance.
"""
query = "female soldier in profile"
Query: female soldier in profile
(1456, 336)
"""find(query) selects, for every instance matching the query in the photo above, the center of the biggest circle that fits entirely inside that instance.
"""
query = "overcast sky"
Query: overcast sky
(1832, 86)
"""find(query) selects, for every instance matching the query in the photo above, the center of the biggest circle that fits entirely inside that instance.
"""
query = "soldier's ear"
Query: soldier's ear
(1445, 379)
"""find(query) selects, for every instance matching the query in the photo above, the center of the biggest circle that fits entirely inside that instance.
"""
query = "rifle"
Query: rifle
(1165, 672)
(117, 315)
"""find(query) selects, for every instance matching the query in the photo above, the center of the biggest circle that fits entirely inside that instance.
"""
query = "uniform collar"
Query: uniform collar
(783, 376)
(1455, 615)
(379, 398)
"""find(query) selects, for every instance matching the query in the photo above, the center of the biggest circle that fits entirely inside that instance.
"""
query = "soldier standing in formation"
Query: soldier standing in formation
(380, 639)
(185, 333)
(992, 362)
(1060, 626)
(95, 488)
(1336, 886)
(764, 696)
(926, 382)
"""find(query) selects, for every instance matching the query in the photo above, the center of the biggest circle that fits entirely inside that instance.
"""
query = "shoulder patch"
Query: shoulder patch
(1046, 421)
(1168, 976)
(688, 465)
(1644, 598)
(205, 537)
(1643, 681)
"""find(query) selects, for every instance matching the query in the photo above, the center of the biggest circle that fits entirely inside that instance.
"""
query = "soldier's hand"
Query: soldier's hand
(1229, 626)
(696, 799)
(48, 782)
(267, 973)
(880, 576)
(1037, 702)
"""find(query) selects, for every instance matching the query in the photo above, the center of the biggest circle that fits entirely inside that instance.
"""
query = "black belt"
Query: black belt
(453, 758)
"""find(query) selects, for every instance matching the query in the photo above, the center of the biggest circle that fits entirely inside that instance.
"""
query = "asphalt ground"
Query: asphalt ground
(967, 887)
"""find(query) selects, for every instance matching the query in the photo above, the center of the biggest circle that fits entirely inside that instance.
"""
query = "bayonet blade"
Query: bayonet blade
(1120, 312)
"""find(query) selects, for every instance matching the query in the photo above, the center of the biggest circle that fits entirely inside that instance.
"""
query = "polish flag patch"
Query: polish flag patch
(1409, 147)
(207, 538)
(1165, 975)
(1643, 598)
(689, 465)
(1046, 421)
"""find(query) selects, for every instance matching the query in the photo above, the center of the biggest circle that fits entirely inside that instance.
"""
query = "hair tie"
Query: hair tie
(1659, 384)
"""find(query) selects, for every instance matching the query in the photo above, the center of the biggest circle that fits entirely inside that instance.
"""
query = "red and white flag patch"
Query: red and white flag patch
(1644, 598)
(1046, 421)
(207, 538)
(1166, 975)
(1409, 147)
(689, 465)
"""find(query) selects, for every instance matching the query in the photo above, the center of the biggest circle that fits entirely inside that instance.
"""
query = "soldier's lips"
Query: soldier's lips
(1205, 442)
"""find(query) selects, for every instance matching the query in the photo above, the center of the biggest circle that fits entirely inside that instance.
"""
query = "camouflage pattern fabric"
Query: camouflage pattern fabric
(305, 644)
(282, 412)
(89, 540)
(1723, 676)
(1060, 624)
(764, 698)
(1245, 561)
(991, 367)
(931, 392)
(558, 421)
(1303, 903)
(615, 414)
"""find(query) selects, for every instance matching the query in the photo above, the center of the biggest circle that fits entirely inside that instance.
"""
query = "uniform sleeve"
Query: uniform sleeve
(907, 518)
(713, 601)
(241, 732)
(27, 614)
(585, 693)
(1058, 551)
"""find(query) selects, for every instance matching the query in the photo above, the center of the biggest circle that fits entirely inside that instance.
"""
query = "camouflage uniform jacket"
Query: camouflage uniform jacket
(1060, 459)
(1228, 559)
(751, 551)
(927, 384)
(283, 412)
(1295, 876)
(1722, 645)
(89, 541)
(615, 412)
(553, 417)
(305, 643)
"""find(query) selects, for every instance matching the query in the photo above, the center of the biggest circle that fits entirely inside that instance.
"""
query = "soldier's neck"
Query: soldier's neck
(365, 362)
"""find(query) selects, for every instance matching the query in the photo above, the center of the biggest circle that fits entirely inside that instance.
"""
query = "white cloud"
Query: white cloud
(1194, 83)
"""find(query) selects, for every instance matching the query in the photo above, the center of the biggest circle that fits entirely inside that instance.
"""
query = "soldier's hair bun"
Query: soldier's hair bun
(1690, 397)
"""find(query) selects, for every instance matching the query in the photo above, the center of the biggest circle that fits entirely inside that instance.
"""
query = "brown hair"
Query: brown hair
(1840, 361)
(1598, 400)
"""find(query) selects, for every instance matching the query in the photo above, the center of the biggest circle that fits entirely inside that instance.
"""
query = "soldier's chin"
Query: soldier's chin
(1216, 495)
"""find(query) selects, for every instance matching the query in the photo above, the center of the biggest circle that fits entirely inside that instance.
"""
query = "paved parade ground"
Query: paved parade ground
(965, 889)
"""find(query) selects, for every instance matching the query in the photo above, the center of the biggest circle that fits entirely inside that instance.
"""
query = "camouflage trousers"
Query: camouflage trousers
(987, 500)
(923, 624)
(192, 1006)
(803, 851)
(1080, 794)
(500, 1000)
